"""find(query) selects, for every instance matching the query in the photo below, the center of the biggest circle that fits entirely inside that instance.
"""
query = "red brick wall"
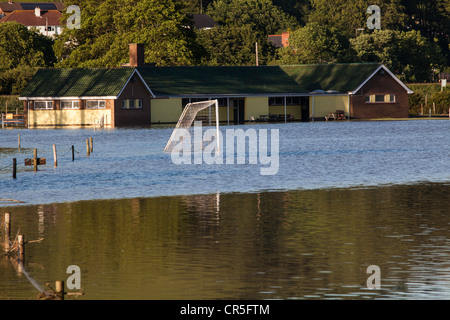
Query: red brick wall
(381, 83)
(131, 117)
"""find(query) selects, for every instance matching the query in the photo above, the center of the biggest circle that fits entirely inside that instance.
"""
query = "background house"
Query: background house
(43, 16)
(279, 40)
(203, 21)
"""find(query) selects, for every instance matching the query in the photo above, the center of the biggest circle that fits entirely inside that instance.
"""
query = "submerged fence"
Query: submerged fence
(35, 161)
(14, 250)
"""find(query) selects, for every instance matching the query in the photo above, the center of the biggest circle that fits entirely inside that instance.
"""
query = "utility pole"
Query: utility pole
(256, 49)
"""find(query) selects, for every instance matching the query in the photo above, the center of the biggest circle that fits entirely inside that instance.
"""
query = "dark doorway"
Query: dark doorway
(239, 111)
(304, 104)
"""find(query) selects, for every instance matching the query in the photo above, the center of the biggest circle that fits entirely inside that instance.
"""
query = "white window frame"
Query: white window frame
(387, 98)
(74, 104)
(48, 105)
(133, 103)
(97, 106)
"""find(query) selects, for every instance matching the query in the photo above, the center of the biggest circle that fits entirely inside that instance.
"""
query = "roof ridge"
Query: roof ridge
(329, 64)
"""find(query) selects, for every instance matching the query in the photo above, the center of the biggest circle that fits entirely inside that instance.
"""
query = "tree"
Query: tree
(299, 9)
(314, 44)
(406, 53)
(347, 16)
(21, 52)
(107, 27)
(234, 46)
(262, 16)
(432, 19)
(243, 23)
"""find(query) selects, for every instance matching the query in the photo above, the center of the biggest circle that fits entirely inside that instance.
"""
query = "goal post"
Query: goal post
(196, 111)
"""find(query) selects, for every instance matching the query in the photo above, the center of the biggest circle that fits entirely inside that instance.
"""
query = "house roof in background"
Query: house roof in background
(28, 18)
(10, 7)
(202, 21)
(79, 82)
(276, 40)
(219, 81)
(341, 77)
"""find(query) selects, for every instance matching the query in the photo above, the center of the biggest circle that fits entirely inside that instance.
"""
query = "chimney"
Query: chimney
(136, 54)
(37, 11)
(285, 39)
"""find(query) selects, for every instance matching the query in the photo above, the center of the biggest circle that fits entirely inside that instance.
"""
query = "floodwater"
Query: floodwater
(347, 195)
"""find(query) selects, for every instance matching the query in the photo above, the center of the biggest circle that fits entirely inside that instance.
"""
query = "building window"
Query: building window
(43, 105)
(95, 104)
(132, 104)
(71, 104)
(276, 101)
(221, 101)
(381, 98)
(293, 101)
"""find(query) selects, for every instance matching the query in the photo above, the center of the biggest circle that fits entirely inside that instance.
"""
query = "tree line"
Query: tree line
(413, 40)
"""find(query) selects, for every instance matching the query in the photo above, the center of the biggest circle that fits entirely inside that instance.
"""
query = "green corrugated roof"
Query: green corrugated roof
(207, 80)
(201, 80)
(342, 77)
(80, 82)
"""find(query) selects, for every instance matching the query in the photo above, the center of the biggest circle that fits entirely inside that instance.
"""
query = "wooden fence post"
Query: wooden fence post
(14, 168)
(21, 247)
(7, 231)
(35, 160)
(55, 158)
(59, 290)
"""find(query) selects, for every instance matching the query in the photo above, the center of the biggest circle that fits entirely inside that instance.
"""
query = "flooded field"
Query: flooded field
(347, 195)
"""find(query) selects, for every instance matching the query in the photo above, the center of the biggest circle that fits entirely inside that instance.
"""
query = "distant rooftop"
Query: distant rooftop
(203, 21)
(8, 7)
(29, 18)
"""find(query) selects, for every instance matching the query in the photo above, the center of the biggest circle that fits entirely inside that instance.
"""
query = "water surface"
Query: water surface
(348, 195)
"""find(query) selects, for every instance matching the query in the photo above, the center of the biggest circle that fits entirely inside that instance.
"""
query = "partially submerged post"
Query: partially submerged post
(55, 158)
(19, 141)
(35, 159)
(91, 144)
(73, 153)
(59, 290)
(14, 168)
(21, 248)
(7, 231)
(87, 147)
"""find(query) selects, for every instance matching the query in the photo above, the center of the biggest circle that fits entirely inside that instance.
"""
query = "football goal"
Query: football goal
(205, 111)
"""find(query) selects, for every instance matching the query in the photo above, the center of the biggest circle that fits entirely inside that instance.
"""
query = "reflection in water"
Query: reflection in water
(313, 244)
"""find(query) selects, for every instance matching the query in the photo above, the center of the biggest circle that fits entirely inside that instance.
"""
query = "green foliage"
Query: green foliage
(260, 15)
(243, 24)
(408, 54)
(21, 52)
(441, 101)
(423, 97)
(347, 16)
(107, 27)
(234, 46)
(12, 103)
(314, 44)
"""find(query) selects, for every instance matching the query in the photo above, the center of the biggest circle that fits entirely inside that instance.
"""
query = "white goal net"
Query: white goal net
(207, 112)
